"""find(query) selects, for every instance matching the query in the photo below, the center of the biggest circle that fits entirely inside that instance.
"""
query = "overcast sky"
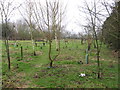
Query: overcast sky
(72, 14)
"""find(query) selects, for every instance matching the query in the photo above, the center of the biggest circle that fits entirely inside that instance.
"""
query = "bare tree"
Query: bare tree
(56, 26)
(94, 15)
(89, 38)
(7, 9)
(50, 18)
(28, 18)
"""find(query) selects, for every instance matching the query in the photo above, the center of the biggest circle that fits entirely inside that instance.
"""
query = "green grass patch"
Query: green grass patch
(33, 72)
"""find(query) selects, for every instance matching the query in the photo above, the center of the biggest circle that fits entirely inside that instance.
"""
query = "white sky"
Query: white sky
(72, 14)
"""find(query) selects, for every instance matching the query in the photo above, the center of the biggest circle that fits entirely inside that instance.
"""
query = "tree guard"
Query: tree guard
(87, 56)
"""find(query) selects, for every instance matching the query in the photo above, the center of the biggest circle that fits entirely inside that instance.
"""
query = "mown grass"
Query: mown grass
(33, 72)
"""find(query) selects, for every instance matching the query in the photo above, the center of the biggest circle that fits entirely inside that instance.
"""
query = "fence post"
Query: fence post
(21, 52)
(87, 56)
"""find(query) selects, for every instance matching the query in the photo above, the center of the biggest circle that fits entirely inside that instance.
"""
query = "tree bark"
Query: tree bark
(94, 44)
(89, 45)
(34, 53)
(7, 51)
(50, 53)
(98, 53)
(82, 41)
(57, 43)
(51, 64)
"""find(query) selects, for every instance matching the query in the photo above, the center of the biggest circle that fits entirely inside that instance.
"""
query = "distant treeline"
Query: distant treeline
(20, 31)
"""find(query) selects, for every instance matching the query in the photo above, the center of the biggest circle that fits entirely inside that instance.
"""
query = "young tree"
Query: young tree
(54, 26)
(7, 9)
(49, 19)
(95, 20)
(29, 20)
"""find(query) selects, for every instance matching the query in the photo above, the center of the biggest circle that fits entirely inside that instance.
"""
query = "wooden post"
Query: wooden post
(40, 46)
(35, 44)
(43, 43)
(87, 56)
(21, 53)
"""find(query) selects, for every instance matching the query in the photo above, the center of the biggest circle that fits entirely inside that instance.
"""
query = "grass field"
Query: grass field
(33, 71)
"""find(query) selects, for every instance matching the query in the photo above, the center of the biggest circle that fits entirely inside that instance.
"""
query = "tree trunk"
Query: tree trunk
(51, 63)
(94, 44)
(57, 43)
(89, 47)
(34, 53)
(98, 53)
(50, 53)
(33, 45)
(7, 51)
(81, 41)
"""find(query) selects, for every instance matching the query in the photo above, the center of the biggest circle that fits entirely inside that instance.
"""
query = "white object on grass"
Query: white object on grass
(82, 74)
